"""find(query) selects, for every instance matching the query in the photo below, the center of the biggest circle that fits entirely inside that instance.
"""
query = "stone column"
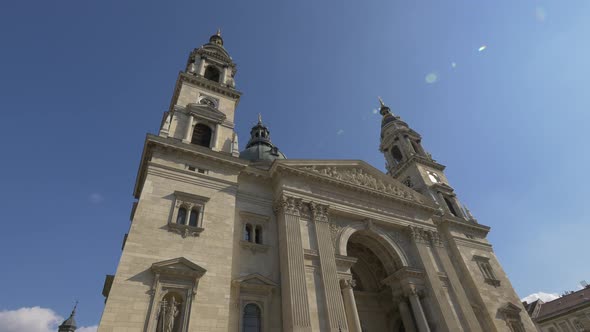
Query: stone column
(295, 303)
(214, 145)
(418, 311)
(189, 131)
(406, 315)
(455, 284)
(201, 67)
(224, 75)
(352, 315)
(421, 239)
(333, 298)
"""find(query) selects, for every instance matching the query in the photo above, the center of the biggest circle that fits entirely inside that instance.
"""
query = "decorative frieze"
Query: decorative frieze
(360, 177)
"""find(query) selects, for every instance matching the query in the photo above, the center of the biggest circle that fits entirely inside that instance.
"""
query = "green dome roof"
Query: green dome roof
(259, 146)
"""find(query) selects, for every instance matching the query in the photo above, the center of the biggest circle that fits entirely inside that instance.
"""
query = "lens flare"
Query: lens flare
(540, 14)
(431, 78)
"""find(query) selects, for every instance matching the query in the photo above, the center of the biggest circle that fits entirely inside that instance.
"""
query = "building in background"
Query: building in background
(569, 313)
(223, 240)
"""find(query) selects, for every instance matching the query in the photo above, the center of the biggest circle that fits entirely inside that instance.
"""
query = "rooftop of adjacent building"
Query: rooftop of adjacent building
(540, 310)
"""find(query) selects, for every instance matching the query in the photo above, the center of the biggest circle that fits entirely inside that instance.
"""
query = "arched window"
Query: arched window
(396, 154)
(248, 233)
(251, 321)
(181, 218)
(194, 217)
(258, 235)
(201, 135)
(212, 73)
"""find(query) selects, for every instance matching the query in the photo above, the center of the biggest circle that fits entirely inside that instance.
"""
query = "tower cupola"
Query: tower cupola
(398, 141)
(216, 38)
(69, 325)
(213, 62)
(259, 146)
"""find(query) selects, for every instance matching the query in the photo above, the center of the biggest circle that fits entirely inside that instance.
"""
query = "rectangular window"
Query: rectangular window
(197, 169)
(187, 214)
(486, 269)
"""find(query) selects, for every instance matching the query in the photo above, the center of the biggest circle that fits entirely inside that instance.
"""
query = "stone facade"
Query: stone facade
(220, 243)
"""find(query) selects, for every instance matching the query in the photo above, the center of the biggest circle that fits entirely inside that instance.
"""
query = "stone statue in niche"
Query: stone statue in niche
(167, 315)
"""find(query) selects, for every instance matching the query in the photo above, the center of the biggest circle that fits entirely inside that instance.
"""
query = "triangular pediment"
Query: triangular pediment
(510, 309)
(355, 174)
(178, 266)
(207, 112)
(255, 279)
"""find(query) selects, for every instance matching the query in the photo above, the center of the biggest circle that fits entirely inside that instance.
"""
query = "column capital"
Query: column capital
(319, 212)
(347, 283)
(288, 205)
(412, 290)
(425, 236)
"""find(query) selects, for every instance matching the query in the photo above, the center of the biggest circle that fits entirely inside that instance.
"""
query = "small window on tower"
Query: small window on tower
(194, 217)
(258, 234)
(212, 73)
(248, 233)
(450, 206)
(201, 135)
(181, 218)
(396, 154)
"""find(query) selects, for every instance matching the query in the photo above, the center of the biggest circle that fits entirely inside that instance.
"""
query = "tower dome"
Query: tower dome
(259, 147)
(69, 325)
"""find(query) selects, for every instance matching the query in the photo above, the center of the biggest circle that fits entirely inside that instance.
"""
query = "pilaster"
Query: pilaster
(295, 303)
(336, 314)
(456, 287)
(422, 240)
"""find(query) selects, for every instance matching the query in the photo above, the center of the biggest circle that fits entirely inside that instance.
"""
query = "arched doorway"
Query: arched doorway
(376, 260)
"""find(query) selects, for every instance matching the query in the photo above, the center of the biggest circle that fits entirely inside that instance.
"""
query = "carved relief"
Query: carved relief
(360, 177)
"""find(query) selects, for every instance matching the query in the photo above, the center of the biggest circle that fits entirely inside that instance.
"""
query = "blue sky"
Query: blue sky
(82, 83)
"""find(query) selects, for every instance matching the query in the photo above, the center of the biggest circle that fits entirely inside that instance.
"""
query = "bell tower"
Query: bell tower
(204, 100)
(408, 162)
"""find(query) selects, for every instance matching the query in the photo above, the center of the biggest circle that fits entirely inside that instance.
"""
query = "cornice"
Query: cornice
(472, 244)
(449, 221)
(152, 141)
(208, 84)
(172, 173)
(418, 159)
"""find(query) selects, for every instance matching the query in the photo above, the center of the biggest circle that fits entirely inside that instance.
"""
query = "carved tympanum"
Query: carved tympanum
(360, 177)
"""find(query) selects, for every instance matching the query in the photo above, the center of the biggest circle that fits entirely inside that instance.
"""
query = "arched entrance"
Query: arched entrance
(374, 300)
(378, 257)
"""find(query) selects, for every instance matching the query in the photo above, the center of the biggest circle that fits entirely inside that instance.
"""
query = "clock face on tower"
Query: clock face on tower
(433, 177)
